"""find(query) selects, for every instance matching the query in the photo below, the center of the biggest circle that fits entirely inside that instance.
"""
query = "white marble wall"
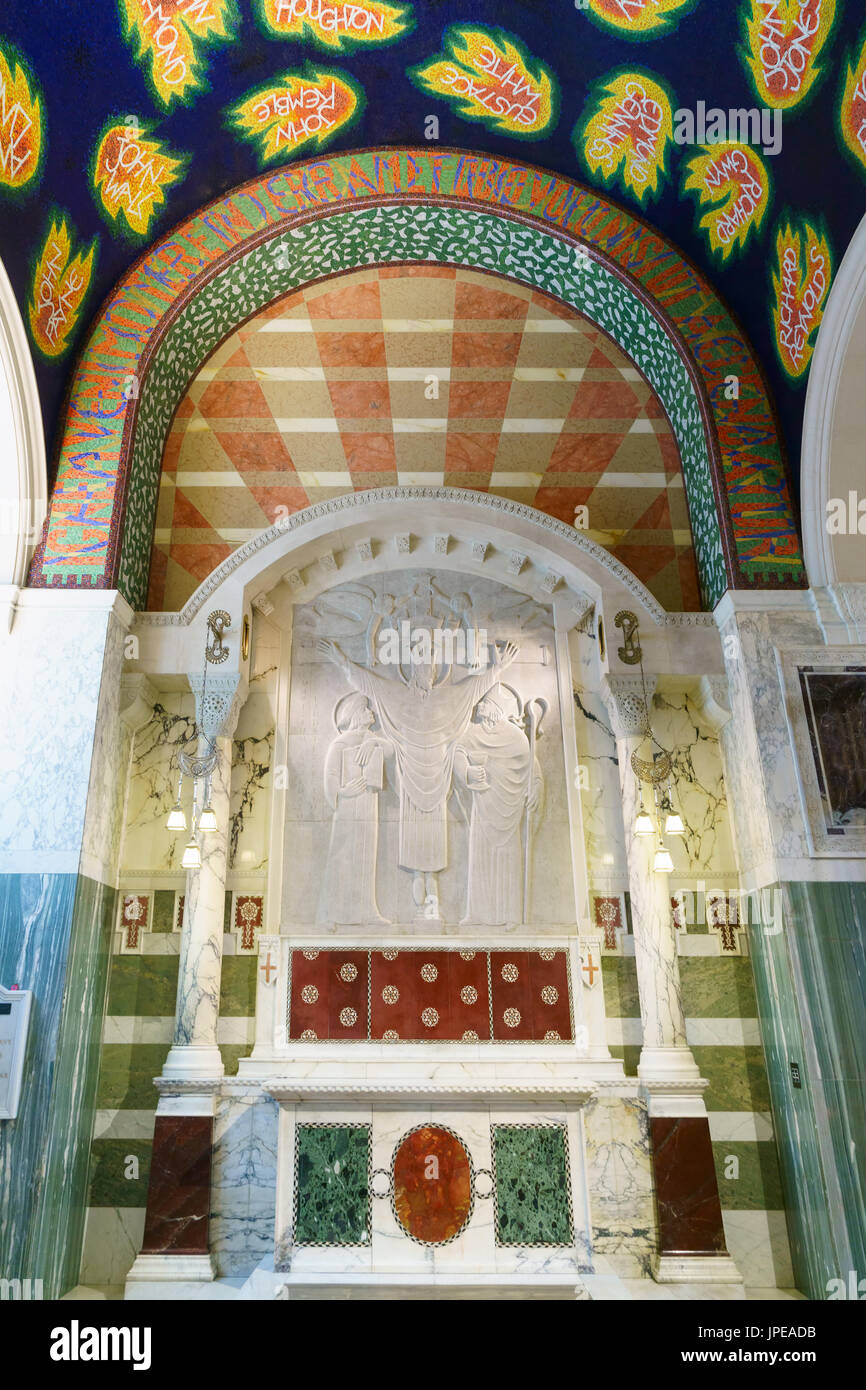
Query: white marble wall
(60, 661)
(706, 850)
(759, 761)
(601, 798)
(150, 850)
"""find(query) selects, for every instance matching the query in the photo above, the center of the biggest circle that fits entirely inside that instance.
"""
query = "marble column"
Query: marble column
(665, 1052)
(194, 1051)
(691, 1235)
(176, 1234)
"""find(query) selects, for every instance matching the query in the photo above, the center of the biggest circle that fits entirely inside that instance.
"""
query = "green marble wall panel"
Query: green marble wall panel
(811, 983)
(737, 1077)
(126, 1075)
(55, 938)
(232, 1053)
(828, 921)
(532, 1185)
(807, 1205)
(332, 1195)
(143, 986)
(629, 1055)
(619, 978)
(162, 918)
(754, 1183)
(238, 987)
(109, 1164)
(717, 987)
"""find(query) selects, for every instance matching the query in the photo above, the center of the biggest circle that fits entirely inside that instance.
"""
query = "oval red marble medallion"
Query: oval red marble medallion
(432, 1184)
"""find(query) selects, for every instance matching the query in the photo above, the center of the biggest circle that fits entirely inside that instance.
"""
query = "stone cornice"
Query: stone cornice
(353, 502)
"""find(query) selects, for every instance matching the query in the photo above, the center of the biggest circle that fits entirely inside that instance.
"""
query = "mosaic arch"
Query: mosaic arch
(324, 217)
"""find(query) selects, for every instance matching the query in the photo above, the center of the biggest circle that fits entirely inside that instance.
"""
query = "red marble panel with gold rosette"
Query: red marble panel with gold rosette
(432, 1184)
(429, 995)
(530, 996)
(328, 996)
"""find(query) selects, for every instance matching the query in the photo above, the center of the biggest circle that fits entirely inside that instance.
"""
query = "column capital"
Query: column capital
(137, 699)
(713, 701)
(219, 698)
(624, 698)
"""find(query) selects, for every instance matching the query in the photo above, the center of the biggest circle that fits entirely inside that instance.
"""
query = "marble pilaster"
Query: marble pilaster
(691, 1238)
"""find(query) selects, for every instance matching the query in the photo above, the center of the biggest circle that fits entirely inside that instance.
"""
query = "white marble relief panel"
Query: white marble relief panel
(412, 787)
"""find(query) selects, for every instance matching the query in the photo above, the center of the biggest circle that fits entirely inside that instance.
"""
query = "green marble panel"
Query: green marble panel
(737, 1077)
(162, 918)
(109, 1164)
(758, 1184)
(238, 987)
(55, 938)
(828, 922)
(619, 978)
(126, 1075)
(232, 1053)
(143, 986)
(332, 1185)
(532, 1189)
(794, 1117)
(717, 987)
(630, 1056)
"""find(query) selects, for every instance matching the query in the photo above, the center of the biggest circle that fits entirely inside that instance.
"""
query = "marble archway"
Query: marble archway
(325, 217)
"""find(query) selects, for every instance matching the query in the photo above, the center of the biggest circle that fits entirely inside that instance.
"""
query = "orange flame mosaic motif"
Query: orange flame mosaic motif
(490, 78)
(301, 110)
(130, 174)
(628, 134)
(801, 284)
(337, 24)
(171, 35)
(20, 125)
(643, 18)
(735, 178)
(59, 285)
(852, 114)
(784, 42)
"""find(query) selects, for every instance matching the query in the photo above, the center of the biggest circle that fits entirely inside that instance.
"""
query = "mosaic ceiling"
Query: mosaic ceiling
(736, 127)
(418, 376)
